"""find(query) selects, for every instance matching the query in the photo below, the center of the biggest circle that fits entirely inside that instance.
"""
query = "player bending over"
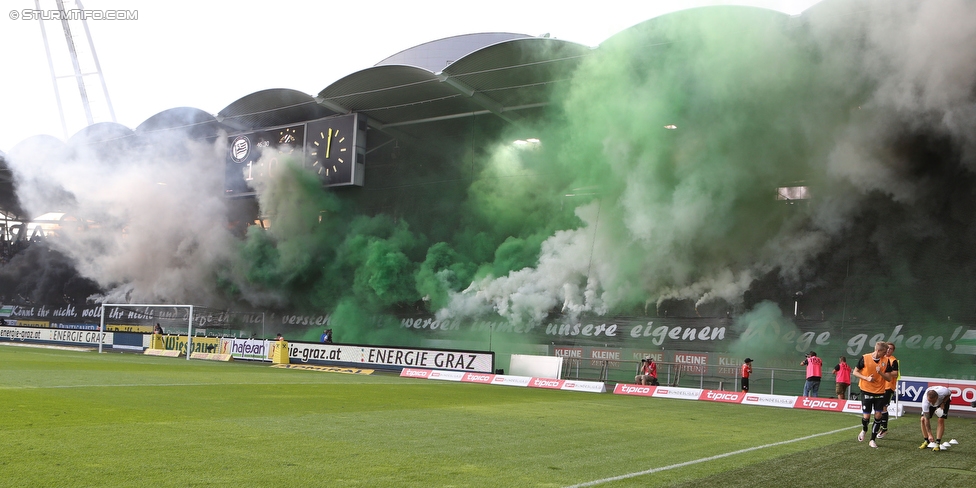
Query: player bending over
(935, 402)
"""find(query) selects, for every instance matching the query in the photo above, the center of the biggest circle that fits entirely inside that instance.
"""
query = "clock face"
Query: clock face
(331, 149)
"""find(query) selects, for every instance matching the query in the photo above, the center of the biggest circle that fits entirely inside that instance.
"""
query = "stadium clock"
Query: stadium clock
(333, 148)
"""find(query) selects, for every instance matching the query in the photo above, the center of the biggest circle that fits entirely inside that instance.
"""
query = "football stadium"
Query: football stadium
(446, 269)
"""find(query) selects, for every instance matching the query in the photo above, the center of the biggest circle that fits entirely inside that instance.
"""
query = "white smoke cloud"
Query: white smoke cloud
(566, 280)
(920, 56)
(157, 225)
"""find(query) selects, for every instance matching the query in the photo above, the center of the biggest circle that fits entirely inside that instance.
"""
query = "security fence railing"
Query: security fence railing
(779, 381)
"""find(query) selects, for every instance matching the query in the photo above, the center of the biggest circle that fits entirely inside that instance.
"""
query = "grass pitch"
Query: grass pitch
(87, 419)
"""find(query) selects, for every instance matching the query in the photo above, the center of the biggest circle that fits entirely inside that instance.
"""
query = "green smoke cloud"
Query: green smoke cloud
(762, 330)
(685, 212)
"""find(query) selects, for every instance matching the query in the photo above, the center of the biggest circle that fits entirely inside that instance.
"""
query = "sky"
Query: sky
(206, 55)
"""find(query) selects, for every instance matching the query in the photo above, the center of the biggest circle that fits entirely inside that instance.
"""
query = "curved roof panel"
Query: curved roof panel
(36, 147)
(434, 56)
(103, 141)
(100, 132)
(269, 108)
(188, 120)
(519, 72)
(499, 79)
(394, 94)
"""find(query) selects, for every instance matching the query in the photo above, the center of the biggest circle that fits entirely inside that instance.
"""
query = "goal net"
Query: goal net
(190, 327)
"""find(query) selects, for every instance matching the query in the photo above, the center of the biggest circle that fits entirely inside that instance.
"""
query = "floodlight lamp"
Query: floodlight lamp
(527, 141)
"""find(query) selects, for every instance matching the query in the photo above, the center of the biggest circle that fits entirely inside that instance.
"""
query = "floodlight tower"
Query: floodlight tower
(74, 62)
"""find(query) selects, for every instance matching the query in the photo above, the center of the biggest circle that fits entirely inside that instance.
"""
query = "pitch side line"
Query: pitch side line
(710, 458)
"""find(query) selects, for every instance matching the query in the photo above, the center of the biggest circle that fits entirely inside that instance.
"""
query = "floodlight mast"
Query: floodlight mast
(77, 58)
(189, 324)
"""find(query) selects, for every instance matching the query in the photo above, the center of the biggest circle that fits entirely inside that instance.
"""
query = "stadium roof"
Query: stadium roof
(436, 89)
(419, 93)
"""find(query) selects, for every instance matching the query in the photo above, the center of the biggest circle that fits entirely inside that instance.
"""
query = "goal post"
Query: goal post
(147, 311)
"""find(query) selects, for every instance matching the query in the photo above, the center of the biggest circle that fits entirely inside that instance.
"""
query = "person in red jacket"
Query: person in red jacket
(647, 373)
(842, 374)
(746, 372)
(814, 370)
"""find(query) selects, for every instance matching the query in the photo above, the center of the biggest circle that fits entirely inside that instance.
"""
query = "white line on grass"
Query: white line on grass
(710, 458)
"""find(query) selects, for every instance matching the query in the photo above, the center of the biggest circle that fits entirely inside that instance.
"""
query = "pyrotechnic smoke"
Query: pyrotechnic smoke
(688, 123)
(761, 335)
(154, 223)
(678, 213)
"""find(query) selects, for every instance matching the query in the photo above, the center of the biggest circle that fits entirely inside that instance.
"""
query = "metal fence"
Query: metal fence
(779, 381)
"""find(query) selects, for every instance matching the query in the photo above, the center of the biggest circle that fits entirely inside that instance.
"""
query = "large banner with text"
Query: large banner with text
(69, 336)
(391, 357)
